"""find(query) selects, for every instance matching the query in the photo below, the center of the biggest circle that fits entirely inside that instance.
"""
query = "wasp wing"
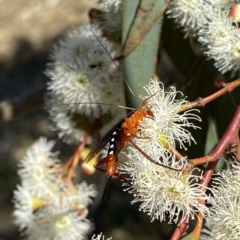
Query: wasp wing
(103, 141)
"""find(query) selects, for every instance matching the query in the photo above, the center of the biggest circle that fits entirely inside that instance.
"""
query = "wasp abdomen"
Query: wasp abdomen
(112, 160)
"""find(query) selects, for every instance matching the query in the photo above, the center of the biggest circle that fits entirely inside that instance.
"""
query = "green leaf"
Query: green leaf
(226, 107)
(139, 65)
(148, 12)
(200, 83)
(189, 237)
(212, 137)
(179, 49)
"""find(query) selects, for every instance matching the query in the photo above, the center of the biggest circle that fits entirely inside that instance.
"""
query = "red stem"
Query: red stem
(181, 227)
(229, 137)
(74, 159)
(179, 230)
(204, 183)
(201, 102)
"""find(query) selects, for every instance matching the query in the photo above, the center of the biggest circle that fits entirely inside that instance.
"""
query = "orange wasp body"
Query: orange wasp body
(122, 133)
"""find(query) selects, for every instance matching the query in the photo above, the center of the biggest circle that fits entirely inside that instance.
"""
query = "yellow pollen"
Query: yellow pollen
(38, 173)
(36, 203)
(81, 209)
(63, 222)
(173, 191)
(162, 139)
(82, 80)
(43, 158)
(237, 52)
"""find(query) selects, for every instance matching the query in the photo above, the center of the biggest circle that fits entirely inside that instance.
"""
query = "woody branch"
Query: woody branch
(28, 101)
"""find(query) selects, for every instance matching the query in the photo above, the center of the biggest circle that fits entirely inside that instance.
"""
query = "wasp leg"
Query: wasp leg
(99, 163)
(150, 159)
(102, 162)
(133, 135)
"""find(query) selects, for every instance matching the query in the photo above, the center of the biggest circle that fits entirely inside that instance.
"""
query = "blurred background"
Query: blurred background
(29, 28)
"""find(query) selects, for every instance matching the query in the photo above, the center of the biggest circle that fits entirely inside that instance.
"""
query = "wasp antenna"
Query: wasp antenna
(146, 99)
(114, 105)
(117, 67)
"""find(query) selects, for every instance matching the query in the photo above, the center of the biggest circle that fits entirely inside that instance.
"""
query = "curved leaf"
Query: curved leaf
(147, 13)
(139, 65)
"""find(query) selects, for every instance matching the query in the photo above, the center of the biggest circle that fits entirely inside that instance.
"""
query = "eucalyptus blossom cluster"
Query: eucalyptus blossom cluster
(109, 19)
(224, 222)
(215, 23)
(45, 207)
(165, 191)
(83, 83)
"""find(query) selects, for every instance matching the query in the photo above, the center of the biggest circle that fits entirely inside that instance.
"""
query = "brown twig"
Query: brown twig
(204, 183)
(229, 137)
(74, 159)
(201, 102)
(29, 101)
(181, 227)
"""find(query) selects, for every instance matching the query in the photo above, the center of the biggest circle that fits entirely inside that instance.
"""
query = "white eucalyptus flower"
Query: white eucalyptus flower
(220, 38)
(86, 192)
(224, 4)
(189, 14)
(163, 193)
(225, 223)
(70, 126)
(110, 5)
(38, 168)
(218, 30)
(110, 24)
(226, 183)
(80, 47)
(81, 71)
(80, 194)
(25, 204)
(168, 125)
(100, 236)
(57, 222)
(45, 207)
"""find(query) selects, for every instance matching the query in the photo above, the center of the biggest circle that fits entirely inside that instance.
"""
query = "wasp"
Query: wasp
(117, 137)
(121, 134)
